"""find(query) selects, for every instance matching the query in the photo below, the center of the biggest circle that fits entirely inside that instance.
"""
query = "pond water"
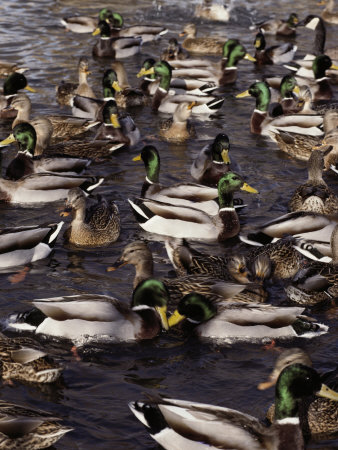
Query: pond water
(94, 392)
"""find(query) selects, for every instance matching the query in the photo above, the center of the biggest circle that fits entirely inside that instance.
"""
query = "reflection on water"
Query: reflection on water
(93, 393)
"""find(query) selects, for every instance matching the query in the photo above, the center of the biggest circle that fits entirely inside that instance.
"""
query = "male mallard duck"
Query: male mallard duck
(24, 359)
(317, 282)
(185, 222)
(124, 94)
(115, 48)
(261, 123)
(93, 317)
(26, 162)
(319, 414)
(189, 425)
(148, 33)
(212, 11)
(66, 91)
(277, 54)
(23, 427)
(314, 195)
(279, 27)
(12, 84)
(288, 100)
(327, 14)
(26, 244)
(7, 68)
(212, 162)
(174, 51)
(93, 227)
(165, 101)
(85, 24)
(178, 128)
(205, 44)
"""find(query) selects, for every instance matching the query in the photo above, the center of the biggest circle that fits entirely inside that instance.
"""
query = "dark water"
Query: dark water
(94, 393)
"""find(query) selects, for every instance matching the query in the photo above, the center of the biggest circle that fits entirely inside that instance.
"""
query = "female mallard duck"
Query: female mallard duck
(279, 27)
(320, 413)
(174, 51)
(317, 282)
(185, 222)
(23, 427)
(165, 101)
(26, 163)
(148, 33)
(327, 14)
(66, 91)
(12, 85)
(277, 54)
(116, 48)
(314, 195)
(24, 359)
(7, 68)
(205, 44)
(261, 123)
(86, 24)
(212, 11)
(26, 244)
(178, 128)
(91, 227)
(189, 425)
(124, 94)
(212, 162)
(92, 317)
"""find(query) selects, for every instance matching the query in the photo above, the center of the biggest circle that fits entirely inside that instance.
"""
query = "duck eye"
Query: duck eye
(241, 269)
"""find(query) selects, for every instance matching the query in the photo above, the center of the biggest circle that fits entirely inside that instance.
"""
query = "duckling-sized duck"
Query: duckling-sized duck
(314, 195)
(148, 33)
(277, 54)
(26, 244)
(204, 45)
(124, 94)
(111, 47)
(174, 51)
(317, 282)
(7, 68)
(26, 163)
(212, 162)
(319, 412)
(66, 91)
(12, 84)
(24, 359)
(92, 317)
(212, 11)
(178, 128)
(165, 101)
(261, 123)
(96, 226)
(185, 222)
(327, 14)
(279, 27)
(23, 427)
(184, 424)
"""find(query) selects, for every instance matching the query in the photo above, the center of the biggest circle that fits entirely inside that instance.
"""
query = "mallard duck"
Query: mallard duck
(261, 123)
(205, 44)
(148, 33)
(327, 14)
(174, 51)
(277, 54)
(165, 101)
(44, 187)
(85, 24)
(178, 128)
(92, 317)
(111, 47)
(314, 195)
(24, 359)
(320, 413)
(26, 163)
(288, 99)
(26, 244)
(12, 84)
(212, 11)
(95, 226)
(189, 425)
(317, 24)
(185, 222)
(212, 162)
(124, 94)
(279, 27)
(23, 427)
(317, 282)
(66, 91)
(7, 68)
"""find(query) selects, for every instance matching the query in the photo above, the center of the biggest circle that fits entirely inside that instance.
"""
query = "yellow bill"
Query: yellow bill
(296, 90)
(243, 94)
(162, 311)
(64, 213)
(334, 67)
(246, 187)
(326, 392)
(116, 86)
(192, 104)
(9, 140)
(30, 89)
(225, 156)
(137, 158)
(114, 120)
(144, 71)
(249, 57)
(96, 32)
(175, 318)
(258, 43)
